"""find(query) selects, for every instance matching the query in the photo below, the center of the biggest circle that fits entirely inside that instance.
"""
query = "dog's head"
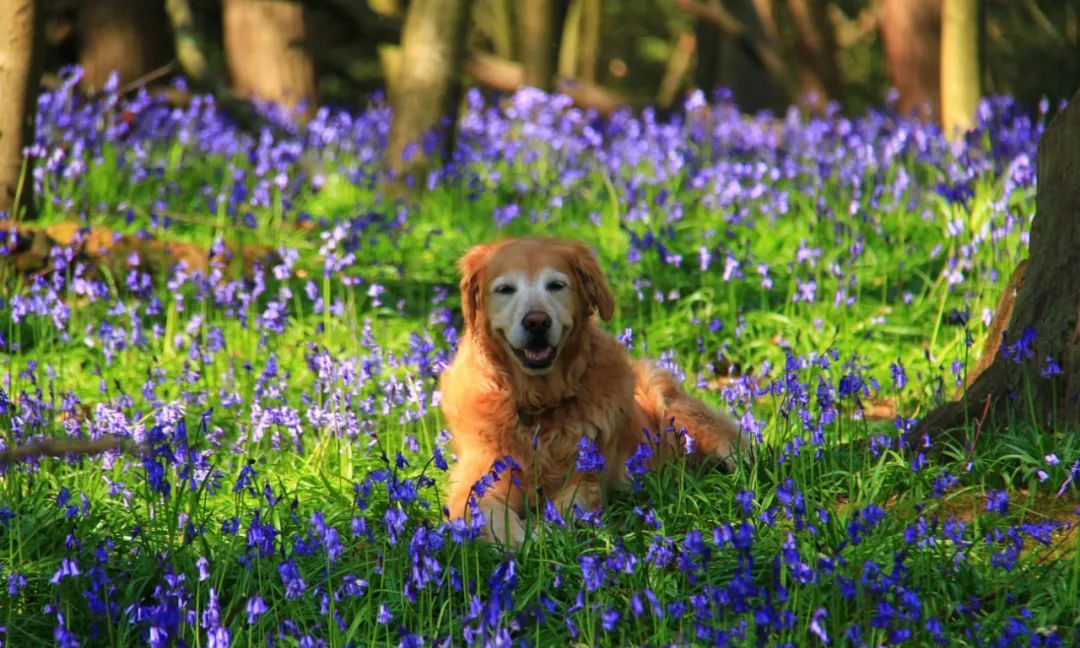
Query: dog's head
(532, 296)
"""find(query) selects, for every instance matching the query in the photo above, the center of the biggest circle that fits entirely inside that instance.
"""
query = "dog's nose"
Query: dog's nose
(536, 322)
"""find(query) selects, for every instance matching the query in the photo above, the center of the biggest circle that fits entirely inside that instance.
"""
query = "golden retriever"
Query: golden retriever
(533, 374)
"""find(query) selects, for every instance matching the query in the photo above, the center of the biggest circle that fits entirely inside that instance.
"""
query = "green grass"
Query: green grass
(939, 546)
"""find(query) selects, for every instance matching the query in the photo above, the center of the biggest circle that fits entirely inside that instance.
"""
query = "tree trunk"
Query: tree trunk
(130, 37)
(570, 43)
(815, 51)
(735, 52)
(911, 33)
(20, 57)
(960, 87)
(539, 31)
(428, 90)
(268, 52)
(706, 69)
(1043, 324)
(751, 65)
(502, 29)
(682, 55)
(589, 54)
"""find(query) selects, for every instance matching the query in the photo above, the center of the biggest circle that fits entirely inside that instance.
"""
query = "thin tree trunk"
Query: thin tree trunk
(502, 30)
(539, 31)
(766, 11)
(428, 89)
(911, 33)
(706, 71)
(682, 56)
(130, 37)
(960, 88)
(815, 51)
(20, 60)
(734, 51)
(570, 43)
(268, 52)
(589, 54)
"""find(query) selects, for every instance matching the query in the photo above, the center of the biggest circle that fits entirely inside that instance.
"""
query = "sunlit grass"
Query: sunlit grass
(817, 264)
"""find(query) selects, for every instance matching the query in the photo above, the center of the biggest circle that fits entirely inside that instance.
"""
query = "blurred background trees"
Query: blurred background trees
(939, 55)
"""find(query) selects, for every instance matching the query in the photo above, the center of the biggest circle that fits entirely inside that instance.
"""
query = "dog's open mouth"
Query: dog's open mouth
(536, 356)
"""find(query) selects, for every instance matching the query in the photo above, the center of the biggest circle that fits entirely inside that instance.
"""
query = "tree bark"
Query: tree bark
(269, 54)
(682, 55)
(816, 70)
(589, 54)
(911, 33)
(539, 37)
(1046, 306)
(20, 76)
(960, 87)
(735, 52)
(130, 37)
(427, 91)
(570, 42)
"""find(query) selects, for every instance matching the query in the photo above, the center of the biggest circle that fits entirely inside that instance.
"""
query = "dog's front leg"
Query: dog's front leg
(502, 524)
(582, 489)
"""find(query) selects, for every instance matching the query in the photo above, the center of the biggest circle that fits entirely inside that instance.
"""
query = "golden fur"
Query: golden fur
(496, 408)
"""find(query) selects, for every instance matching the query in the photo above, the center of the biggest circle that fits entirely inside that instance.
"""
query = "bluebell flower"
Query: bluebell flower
(1051, 368)
(15, 583)
(394, 520)
(291, 579)
(589, 458)
(384, 615)
(255, 608)
(552, 515)
(203, 566)
(997, 501)
(816, 626)
(899, 376)
(1021, 349)
(745, 499)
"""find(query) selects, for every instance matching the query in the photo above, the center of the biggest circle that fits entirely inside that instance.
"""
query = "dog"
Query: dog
(533, 374)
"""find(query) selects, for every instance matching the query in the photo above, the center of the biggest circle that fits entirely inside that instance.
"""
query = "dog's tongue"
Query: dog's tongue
(538, 354)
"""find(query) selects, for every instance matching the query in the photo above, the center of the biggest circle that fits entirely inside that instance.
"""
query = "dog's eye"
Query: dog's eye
(555, 286)
(505, 289)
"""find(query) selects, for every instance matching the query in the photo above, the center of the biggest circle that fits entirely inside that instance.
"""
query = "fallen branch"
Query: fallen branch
(63, 448)
(504, 75)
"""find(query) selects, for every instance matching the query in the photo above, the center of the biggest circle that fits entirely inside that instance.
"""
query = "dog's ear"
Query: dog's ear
(592, 286)
(472, 284)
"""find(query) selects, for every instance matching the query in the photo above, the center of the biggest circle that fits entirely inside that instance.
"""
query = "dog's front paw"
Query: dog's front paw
(504, 527)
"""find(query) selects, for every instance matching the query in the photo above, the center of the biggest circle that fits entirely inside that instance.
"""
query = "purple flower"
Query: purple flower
(997, 501)
(203, 565)
(552, 515)
(290, 577)
(384, 616)
(638, 463)
(1051, 368)
(816, 628)
(745, 499)
(1021, 349)
(255, 608)
(68, 567)
(899, 376)
(15, 583)
(589, 458)
(394, 519)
